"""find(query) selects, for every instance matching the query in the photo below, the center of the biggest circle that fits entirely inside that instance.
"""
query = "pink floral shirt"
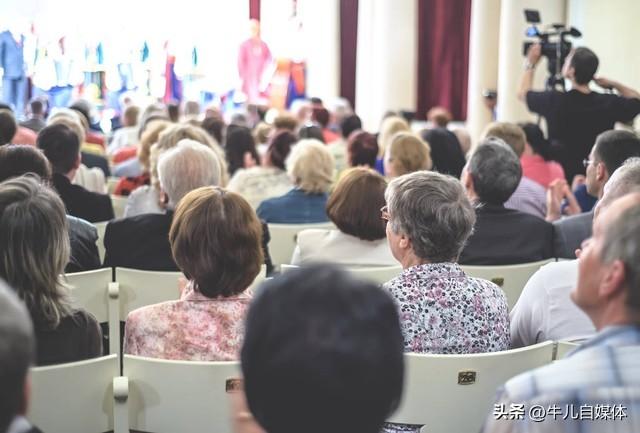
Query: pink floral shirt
(194, 328)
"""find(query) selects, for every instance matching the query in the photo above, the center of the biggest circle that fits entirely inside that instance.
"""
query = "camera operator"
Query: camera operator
(576, 117)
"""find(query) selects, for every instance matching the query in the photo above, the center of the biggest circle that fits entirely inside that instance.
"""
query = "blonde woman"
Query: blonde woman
(389, 127)
(405, 154)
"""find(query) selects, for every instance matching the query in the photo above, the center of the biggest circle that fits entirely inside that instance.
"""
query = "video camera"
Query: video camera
(555, 51)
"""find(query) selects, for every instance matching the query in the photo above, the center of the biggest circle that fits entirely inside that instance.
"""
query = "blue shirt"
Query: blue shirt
(295, 207)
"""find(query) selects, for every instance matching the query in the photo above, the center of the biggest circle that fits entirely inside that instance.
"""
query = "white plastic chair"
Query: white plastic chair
(563, 348)
(76, 397)
(377, 274)
(112, 182)
(179, 396)
(455, 393)
(510, 278)
(94, 291)
(283, 239)
(119, 203)
(101, 227)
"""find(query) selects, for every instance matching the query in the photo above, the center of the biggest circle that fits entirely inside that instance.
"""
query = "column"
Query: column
(387, 59)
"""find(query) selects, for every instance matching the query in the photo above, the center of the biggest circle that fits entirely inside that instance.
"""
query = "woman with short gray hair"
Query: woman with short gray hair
(442, 310)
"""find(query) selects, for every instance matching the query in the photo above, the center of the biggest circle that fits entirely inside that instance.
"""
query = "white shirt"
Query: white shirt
(257, 184)
(545, 311)
(91, 179)
(142, 200)
(337, 247)
(123, 137)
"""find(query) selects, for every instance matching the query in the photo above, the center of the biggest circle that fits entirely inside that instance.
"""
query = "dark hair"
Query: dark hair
(37, 107)
(279, 147)
(320, 115)
(446, 151)
(214, 126)
(495, 170)
(311, 131)
(362, 149)
(322, 350)
(84, 109)
(536, 139)
(216, 241)
(16, 160)
(60, 145)
(615, 147)
(239, 141)
(315, 100)
(585, 64)
(173, 109)
(349, 124)
(8, 126)
(354, 205)
(17, 349)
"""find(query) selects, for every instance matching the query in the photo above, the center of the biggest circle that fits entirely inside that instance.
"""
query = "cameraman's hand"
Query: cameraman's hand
(605, 83)
(534, 53)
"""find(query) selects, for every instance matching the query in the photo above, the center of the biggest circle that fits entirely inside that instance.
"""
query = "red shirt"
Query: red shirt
(537, 169)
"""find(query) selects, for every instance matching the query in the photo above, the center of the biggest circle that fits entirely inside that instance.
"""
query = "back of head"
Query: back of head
(311, 131)
(614, 147)
(34, 247)
(185, 167)
(8, 126)
(150, 137)
(83, 107)
(409, 153)
(17, 350)
(285, 121)
(330, 345)
(37, 107)
(362, 149)
(389, 127)
(349, 124)
(310, 166)
(321, 115)
(191, 109)
(440, 116)
(16, 160)
(623, 181)
(280, 147)
(535, 137)
(261, 132)
(510, 133)
(214, 126)
(131, 114)
(495, 170)
(61, 146)
(585, 64)
(239, 142)
(355, 203)
(215, 239)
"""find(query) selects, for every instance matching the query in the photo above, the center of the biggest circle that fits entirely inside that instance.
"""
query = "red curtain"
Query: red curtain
(443, 55)
(254, 10)
(348, 49)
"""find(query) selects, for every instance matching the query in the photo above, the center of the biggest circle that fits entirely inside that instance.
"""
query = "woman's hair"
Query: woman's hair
(34, 247)
(239, 142)
(389, 127)
(16, 160)
(311, 131)
(216, 241)
(261, 132)
(70, 119)
(311, 166)
(285, 121)
(362, 149)
(150, 137)
(409, 153)
(355, 203)
(280, 147)
(214, 126)
(535, 137)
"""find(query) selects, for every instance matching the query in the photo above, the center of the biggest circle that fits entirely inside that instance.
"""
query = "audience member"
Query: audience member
(240, 150)
(322, 117)
(405, 154)
(270, 179)
(529, 196)
(215, 127)
(390, 125)
(439, 117)
(17, 353)
(608, 153)
(446, 152)
(311, 131)
(536, 161)
(604, 369)
(261, 134)
(215, 239)
(338, 148)
(362, 149)
(331, 346)
(34, 249)
(16, 160)
(502, 236)
(544, 310)
(93, 131)
(286, 122)
(8, 126)
(360, 239)
(128, 134)
(310, 167)
(62, 148)
(35, 121)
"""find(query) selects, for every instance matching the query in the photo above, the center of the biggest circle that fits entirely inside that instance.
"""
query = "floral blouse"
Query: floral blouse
(194, 328)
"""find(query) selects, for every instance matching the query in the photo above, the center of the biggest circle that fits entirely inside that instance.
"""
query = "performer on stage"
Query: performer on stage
(254, 59)
(14, 79)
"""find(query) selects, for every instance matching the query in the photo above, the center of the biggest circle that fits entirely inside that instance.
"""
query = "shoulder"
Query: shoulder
(80, 228)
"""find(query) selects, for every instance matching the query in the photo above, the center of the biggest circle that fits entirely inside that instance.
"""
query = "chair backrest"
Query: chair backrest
(112, 183)
(510, 278)
(377, 274)
(454, 393)
(119, 203)
(563, 348)
(94, 292)
(180, 396)
(101, 227)
(74, 398)
(283, 239)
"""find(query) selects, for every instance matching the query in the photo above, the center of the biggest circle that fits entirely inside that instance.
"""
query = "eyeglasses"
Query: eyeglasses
(384, 211)
(586, 162)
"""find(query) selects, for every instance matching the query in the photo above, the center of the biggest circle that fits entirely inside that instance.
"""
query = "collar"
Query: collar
(619, 335)
(191, 294)
(434, 270)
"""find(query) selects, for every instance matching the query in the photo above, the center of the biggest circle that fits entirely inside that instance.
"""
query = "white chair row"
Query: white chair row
(447, 393)
(377, 274)
(283, 240)
(111, 302)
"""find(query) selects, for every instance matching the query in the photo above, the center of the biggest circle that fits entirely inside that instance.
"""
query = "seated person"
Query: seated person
(501, 236)
(362, 149)
(406, 153)
(215, 239)
(446, 152)
(240, 149)
(35, 249)
(544, 310)
(61, 146)
(128, 134)
(141, 241)
(536, 161)
(391, 124)
(360, 239)
(16, 160)
(8, 126)
(332, 348)
(310, 167)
